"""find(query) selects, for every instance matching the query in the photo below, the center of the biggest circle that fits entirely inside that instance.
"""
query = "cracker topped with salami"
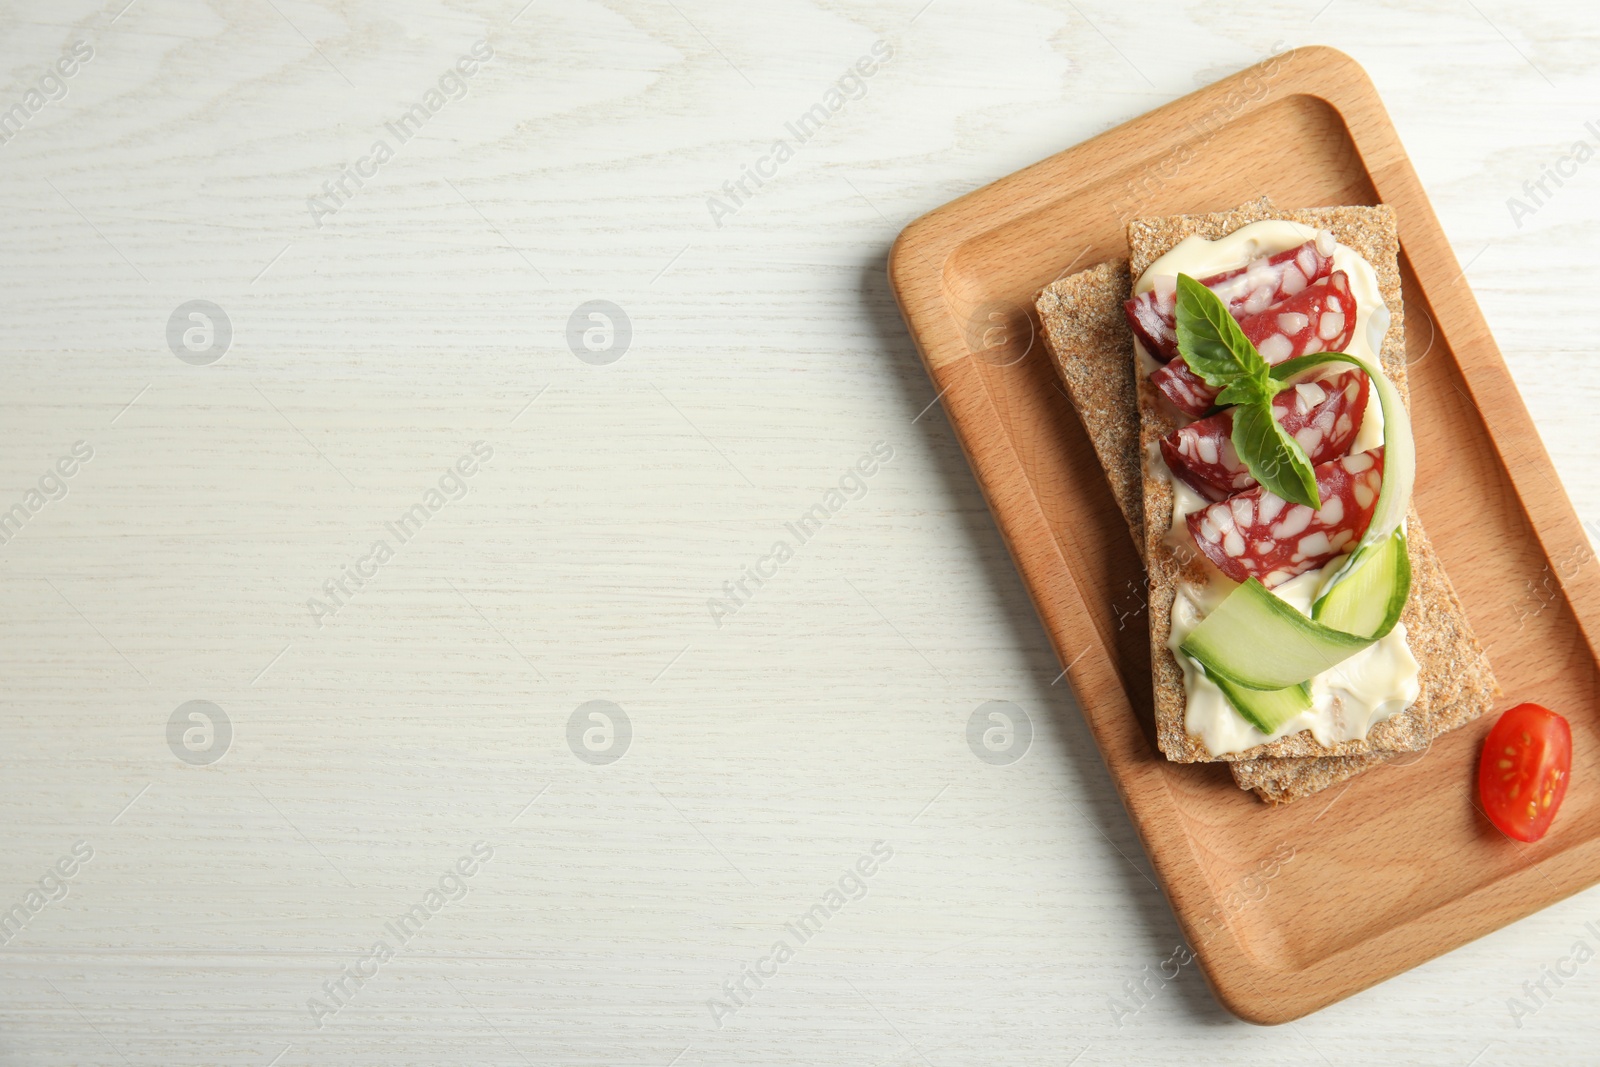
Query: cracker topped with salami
(1302, 628)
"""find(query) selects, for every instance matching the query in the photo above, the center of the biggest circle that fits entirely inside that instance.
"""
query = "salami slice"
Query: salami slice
(1254, 287)
(1319, 318)
(1322, 415)
(1258, 534)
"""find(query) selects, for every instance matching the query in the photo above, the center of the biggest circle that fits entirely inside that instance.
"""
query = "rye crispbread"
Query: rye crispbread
(1457, 684)
(1083, 330)
(1082, 315)
(1087, 335)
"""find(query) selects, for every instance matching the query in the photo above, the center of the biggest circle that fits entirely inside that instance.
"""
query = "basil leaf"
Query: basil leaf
(1243, 390)
(1273, 456)
(1289, 368)
(1212, 344)
(1210, 341)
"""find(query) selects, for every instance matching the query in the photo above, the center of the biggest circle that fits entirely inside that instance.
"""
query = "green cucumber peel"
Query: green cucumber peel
(1371, 596)
(1257, 641)
(1399, 456)
(1267, 710)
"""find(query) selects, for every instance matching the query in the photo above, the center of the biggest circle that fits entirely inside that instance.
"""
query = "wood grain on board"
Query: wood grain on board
(1399, 867)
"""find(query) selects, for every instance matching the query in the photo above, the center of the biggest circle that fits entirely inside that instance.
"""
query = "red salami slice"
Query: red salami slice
(1258, 534)
(1188, 391)
(1322, 415)
(1254, 287)
(1320, 318)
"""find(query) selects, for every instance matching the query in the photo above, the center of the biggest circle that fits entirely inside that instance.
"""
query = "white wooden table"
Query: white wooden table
(358, 742)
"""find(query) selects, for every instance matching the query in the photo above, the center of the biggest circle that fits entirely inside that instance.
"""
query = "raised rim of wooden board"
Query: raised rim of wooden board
(931, 282)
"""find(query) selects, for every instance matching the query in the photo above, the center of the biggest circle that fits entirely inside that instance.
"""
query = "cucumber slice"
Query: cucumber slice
(1257, 641)
(1371, 594)
(1260, 651)
(1266, 709)
(1399, 446)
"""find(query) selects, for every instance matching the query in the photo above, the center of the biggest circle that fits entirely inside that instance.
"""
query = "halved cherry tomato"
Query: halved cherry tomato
(1522, 776)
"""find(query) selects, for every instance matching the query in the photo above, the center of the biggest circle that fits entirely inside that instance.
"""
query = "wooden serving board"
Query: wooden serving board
(1288, 909)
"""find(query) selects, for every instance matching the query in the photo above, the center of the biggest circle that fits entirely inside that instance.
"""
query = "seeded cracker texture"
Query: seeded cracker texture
(1457, 683)
(1089, 338)
(1086, 335)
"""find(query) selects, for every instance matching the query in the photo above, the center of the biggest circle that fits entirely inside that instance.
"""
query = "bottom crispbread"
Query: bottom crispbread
(1085, 332)
(1082, 315)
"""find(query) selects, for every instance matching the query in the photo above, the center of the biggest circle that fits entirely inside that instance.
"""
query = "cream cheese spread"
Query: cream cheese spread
(1376, 683)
